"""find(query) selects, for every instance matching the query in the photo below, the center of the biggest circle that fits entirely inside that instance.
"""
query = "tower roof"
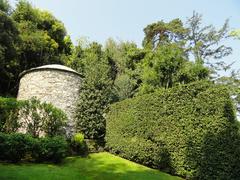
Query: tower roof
(50, 67)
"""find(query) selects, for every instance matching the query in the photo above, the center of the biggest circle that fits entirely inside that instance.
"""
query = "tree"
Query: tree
(95, 92)
(123, 58)
(160, 33)
(165, 42)
(43, 37)
(124, 86)
(205, 42)
(168, 66)
(160, 68)
(4, 6)
(9, 38)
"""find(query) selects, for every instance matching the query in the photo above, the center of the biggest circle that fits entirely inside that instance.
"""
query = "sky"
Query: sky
(124, 20)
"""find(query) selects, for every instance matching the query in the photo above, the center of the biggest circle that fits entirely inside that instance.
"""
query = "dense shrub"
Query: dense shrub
(52, 149)
(189, 130)
(15, 147)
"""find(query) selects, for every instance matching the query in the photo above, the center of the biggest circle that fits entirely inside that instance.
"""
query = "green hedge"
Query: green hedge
(190, 130)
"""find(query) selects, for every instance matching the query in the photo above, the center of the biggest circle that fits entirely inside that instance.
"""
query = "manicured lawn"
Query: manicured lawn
(99, 166)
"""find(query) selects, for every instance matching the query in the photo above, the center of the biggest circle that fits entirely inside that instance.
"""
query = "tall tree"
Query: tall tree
(9, 37)
(160, 33)
(123, 58)
(95, 93)
(203, 42)
(232, 80)
(206, 42)
(43, 37)
(161, 68)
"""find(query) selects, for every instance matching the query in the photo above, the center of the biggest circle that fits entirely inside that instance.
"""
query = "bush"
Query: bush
(78, 145)
(3, 142)
(15, 147)
(189, 130)
(51, 149)
(37, 118)
(32, 117)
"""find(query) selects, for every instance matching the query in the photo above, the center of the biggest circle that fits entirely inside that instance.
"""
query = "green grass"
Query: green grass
(99, 166)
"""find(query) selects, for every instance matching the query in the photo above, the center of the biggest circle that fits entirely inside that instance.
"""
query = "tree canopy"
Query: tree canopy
(43, 37)
(9, 38)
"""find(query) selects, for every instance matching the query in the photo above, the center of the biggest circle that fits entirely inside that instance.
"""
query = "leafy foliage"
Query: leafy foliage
(4, 6)
(206, 42)
(52, 149)
(166, 67)
(29, 37)
(78, 145)
(190, 130)
(159, 33)
(42, 118)
(8, 52)
(42, 36)
(95, 93)
(15, 147)
(123, 58)
(31, 116)
(9, 109)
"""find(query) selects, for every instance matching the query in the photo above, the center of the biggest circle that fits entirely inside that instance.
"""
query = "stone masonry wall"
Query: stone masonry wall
(61, 88)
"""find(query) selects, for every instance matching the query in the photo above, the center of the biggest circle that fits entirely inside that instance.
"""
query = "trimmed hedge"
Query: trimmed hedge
(190, 130)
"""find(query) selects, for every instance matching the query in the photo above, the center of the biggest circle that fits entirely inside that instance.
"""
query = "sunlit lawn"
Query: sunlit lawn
(99, 166)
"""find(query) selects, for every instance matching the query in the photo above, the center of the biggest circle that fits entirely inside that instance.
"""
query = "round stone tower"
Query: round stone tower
(54, 84)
